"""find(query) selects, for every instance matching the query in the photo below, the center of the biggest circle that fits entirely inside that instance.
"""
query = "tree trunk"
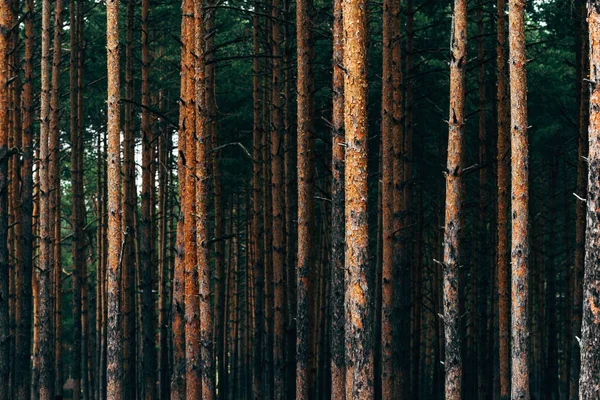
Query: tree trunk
(202, 217)
(503, 111)
(54, 167)
(589, 381)
(520, 199)
(278, 205)
(256, 216)
(114, 338)
(305, 113)
(129, 208)
(390, 30)
(77, 199)
(338, 365)
(146, 237)
(455, 189)
(24, 273)
(358, 293)
(186, 128)
(45, 310)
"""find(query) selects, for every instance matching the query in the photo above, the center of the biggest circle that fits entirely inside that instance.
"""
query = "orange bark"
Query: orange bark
(455, 188)
(358, 297)
(338, 365)
(114, 339)
(520, 198)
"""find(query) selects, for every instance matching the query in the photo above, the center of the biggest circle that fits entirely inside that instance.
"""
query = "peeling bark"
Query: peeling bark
(589, 380)
(358, 294)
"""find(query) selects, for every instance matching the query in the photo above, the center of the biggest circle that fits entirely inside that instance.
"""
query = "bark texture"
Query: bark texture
(358, 293)
(455, 188)
(520, 199)
(589, 380)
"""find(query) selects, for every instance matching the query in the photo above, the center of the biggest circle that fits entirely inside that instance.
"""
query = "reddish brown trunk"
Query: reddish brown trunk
(520, 198)
(278, 205)
(338, 364)
(114, 338)
(305, 112)
(358, 294)
(24, 272)
(455, 189)
(387, 199)
(45, 310)
(503, 203)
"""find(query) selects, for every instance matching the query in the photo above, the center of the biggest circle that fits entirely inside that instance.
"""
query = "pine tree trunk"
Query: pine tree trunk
(54, 167)
(186, 127)
(5, 20)
(146, 237)
(114, 338)
(45, 310)
(358, 294)
(256, 217)
(305, 114)
(520, 198)
(24, 273)
(278, 204)
(202, 217)
(337, 349)
(387, 200)
(454, 218)
(503, 111)
(78, 267)
(129, 208)
(589, 381)
(192, 311)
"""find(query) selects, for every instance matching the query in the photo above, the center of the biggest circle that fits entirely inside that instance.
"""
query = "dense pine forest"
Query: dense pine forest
(309, 199)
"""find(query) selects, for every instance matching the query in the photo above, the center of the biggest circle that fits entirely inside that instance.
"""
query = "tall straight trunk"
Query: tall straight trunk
(278, 204)
(387, 199)
(202, 216)
(503, 204)
(99, 274)
(338, 364)
(77, 200)
(455, 188)
(581, 189)
(520, 199)
(129, 208)
(80, 239)
(146, 237)
(186, 128)
(54, 167)
(589, 381)
(164, 149)
(305, 112)
(290, 200)
(219, 246)
(256, 215)
(482, 268)
(5, 21)
(188, 199)
(358, 293)
(401, 302)
(114, 338)
(24, 272)
(45, 310)
(267, 227)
